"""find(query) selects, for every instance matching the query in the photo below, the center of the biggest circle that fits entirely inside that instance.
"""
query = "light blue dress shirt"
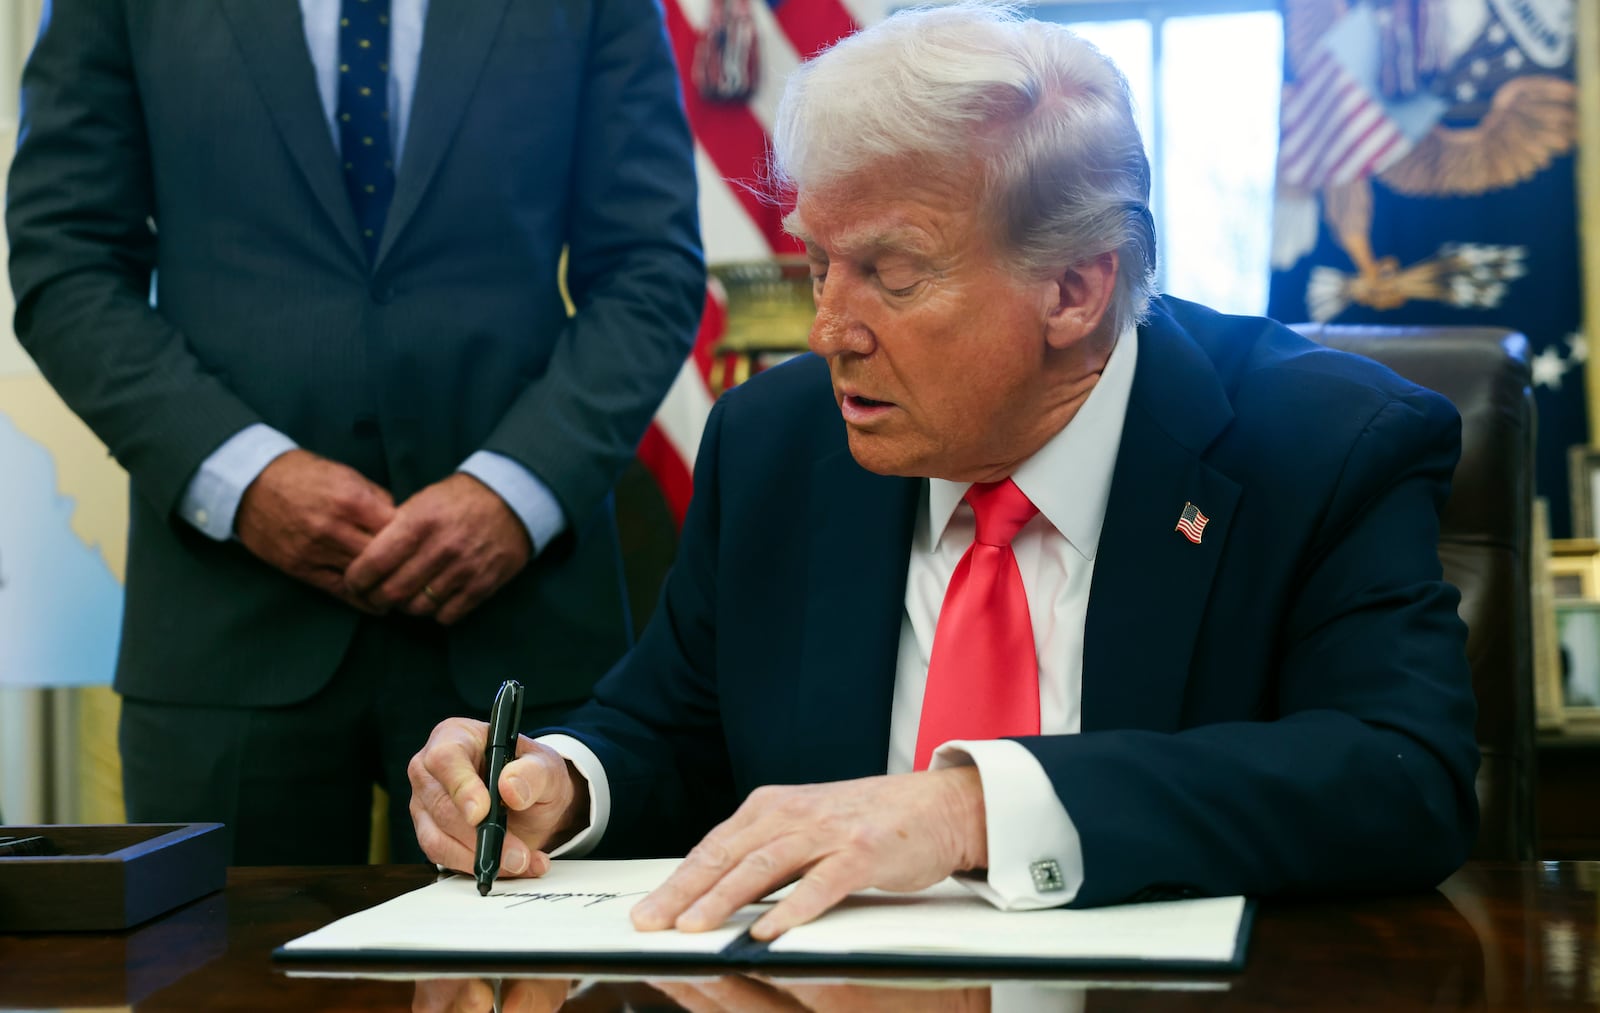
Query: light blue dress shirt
(211, 500)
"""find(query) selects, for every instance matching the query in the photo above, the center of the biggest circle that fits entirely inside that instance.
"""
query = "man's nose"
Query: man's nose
(836, 329)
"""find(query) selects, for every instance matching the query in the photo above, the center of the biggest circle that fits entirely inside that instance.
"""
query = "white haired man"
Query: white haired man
(1025, 574)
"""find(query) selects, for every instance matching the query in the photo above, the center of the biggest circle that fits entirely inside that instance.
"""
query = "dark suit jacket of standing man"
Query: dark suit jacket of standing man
(188, 139)
(1284, 707)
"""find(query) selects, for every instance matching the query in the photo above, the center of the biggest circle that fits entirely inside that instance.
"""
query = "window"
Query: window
(1205, 77)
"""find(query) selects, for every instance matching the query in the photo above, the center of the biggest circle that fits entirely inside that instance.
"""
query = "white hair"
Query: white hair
(1065, 178)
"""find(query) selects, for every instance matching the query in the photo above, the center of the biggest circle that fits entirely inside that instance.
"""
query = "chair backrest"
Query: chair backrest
(1484, 544)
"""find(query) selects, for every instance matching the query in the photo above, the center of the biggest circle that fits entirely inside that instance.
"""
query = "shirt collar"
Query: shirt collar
(1069, 478)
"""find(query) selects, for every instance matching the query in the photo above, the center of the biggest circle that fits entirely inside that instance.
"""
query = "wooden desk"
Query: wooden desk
(1502, 936)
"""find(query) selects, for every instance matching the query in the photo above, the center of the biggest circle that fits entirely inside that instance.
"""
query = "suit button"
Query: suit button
(365, 427)
(383, 295)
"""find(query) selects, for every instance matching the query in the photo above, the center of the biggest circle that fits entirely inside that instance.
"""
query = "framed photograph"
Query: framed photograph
(1578, 632)
(1583, 478)
(1575, 568)
(1546, 650)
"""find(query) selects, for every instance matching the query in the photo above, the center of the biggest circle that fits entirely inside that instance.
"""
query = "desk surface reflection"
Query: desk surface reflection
(1493, 936)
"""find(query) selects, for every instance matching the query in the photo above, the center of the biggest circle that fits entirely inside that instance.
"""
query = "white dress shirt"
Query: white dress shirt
(211, 499)
(1069, 480)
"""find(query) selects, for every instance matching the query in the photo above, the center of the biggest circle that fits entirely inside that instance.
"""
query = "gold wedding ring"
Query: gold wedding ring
(433, 595)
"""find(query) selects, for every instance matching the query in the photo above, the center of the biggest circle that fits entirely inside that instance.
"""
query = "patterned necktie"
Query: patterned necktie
(364, 114)
(983, 677)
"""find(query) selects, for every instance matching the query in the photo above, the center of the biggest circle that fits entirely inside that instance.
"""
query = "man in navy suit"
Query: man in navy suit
(298, 265)
(1242, 671)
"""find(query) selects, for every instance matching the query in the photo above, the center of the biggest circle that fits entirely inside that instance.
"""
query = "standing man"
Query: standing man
(297, 265)
(1026, 573)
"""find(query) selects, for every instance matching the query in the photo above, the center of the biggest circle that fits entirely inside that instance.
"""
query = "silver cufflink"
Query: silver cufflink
(1047, 876)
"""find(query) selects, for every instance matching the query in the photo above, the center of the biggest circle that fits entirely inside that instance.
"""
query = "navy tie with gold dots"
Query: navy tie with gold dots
(364, 114)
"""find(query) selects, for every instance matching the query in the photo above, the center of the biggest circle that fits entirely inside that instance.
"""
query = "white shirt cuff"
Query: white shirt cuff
(527, 496)
(1035, 857)
(211, 499)
(582, 757)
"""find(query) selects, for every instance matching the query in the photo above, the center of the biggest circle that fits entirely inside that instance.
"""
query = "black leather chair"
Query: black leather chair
(1483, 543)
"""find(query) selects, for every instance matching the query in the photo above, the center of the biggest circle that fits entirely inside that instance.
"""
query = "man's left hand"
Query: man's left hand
(900, 832)
(447, 549)
(475, 995)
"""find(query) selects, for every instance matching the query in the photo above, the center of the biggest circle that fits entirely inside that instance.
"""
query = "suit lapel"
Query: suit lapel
(1151, 582)
(272, 40)
(855, 595)
(455, 47)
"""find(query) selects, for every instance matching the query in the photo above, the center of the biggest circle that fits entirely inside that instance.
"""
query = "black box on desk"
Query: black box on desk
(110, 877)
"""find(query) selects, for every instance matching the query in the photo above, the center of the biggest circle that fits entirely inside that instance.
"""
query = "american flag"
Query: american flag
(738, 220)
(1334, 130)
(1192, 523)
(1358, 103)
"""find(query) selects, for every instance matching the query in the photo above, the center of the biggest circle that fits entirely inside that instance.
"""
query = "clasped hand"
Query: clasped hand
(440, 553)
(898, 832)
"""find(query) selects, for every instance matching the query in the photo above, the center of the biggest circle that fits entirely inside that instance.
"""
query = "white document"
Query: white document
(581, 908)
(950, 920)
(577, 907)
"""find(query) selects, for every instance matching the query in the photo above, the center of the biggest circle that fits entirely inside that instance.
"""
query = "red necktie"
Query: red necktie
(983, 677)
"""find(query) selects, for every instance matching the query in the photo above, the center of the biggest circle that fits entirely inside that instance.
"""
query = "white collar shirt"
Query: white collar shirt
(1069, 480)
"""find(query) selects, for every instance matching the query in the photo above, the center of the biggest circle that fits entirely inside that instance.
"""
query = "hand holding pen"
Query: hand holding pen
(504, 721)
(541, 801)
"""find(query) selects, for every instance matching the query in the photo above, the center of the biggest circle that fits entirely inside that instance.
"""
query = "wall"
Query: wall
(57, 746)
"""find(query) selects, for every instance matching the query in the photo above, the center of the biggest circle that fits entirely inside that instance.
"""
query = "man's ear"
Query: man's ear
(1082, 294)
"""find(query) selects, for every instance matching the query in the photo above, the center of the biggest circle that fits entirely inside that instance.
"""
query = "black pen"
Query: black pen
(503, 721)
(13, 847)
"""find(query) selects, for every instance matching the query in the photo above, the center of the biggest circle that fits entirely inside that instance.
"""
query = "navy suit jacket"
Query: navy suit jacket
(1284, 707)
(185, 141)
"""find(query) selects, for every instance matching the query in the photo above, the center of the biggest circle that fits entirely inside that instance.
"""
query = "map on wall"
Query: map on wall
(63, 527)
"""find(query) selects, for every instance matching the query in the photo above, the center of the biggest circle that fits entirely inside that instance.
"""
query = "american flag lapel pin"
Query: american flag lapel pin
(1192, 523)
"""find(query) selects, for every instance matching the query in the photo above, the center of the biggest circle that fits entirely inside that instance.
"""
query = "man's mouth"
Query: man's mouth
(860, 410)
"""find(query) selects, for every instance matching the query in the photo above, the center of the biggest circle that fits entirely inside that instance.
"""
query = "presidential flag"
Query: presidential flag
(1426, 177)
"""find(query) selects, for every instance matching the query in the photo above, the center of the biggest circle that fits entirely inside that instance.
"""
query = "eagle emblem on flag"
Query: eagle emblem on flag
(1431, 98)
(1192, 523)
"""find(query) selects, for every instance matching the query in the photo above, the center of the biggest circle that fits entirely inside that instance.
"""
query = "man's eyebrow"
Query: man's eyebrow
(892, 240)
(908, 242)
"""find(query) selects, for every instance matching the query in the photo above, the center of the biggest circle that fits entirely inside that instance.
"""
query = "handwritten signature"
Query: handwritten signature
(552, 897)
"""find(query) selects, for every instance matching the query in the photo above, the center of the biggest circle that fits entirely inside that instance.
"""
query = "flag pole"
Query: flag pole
(1588, 162)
